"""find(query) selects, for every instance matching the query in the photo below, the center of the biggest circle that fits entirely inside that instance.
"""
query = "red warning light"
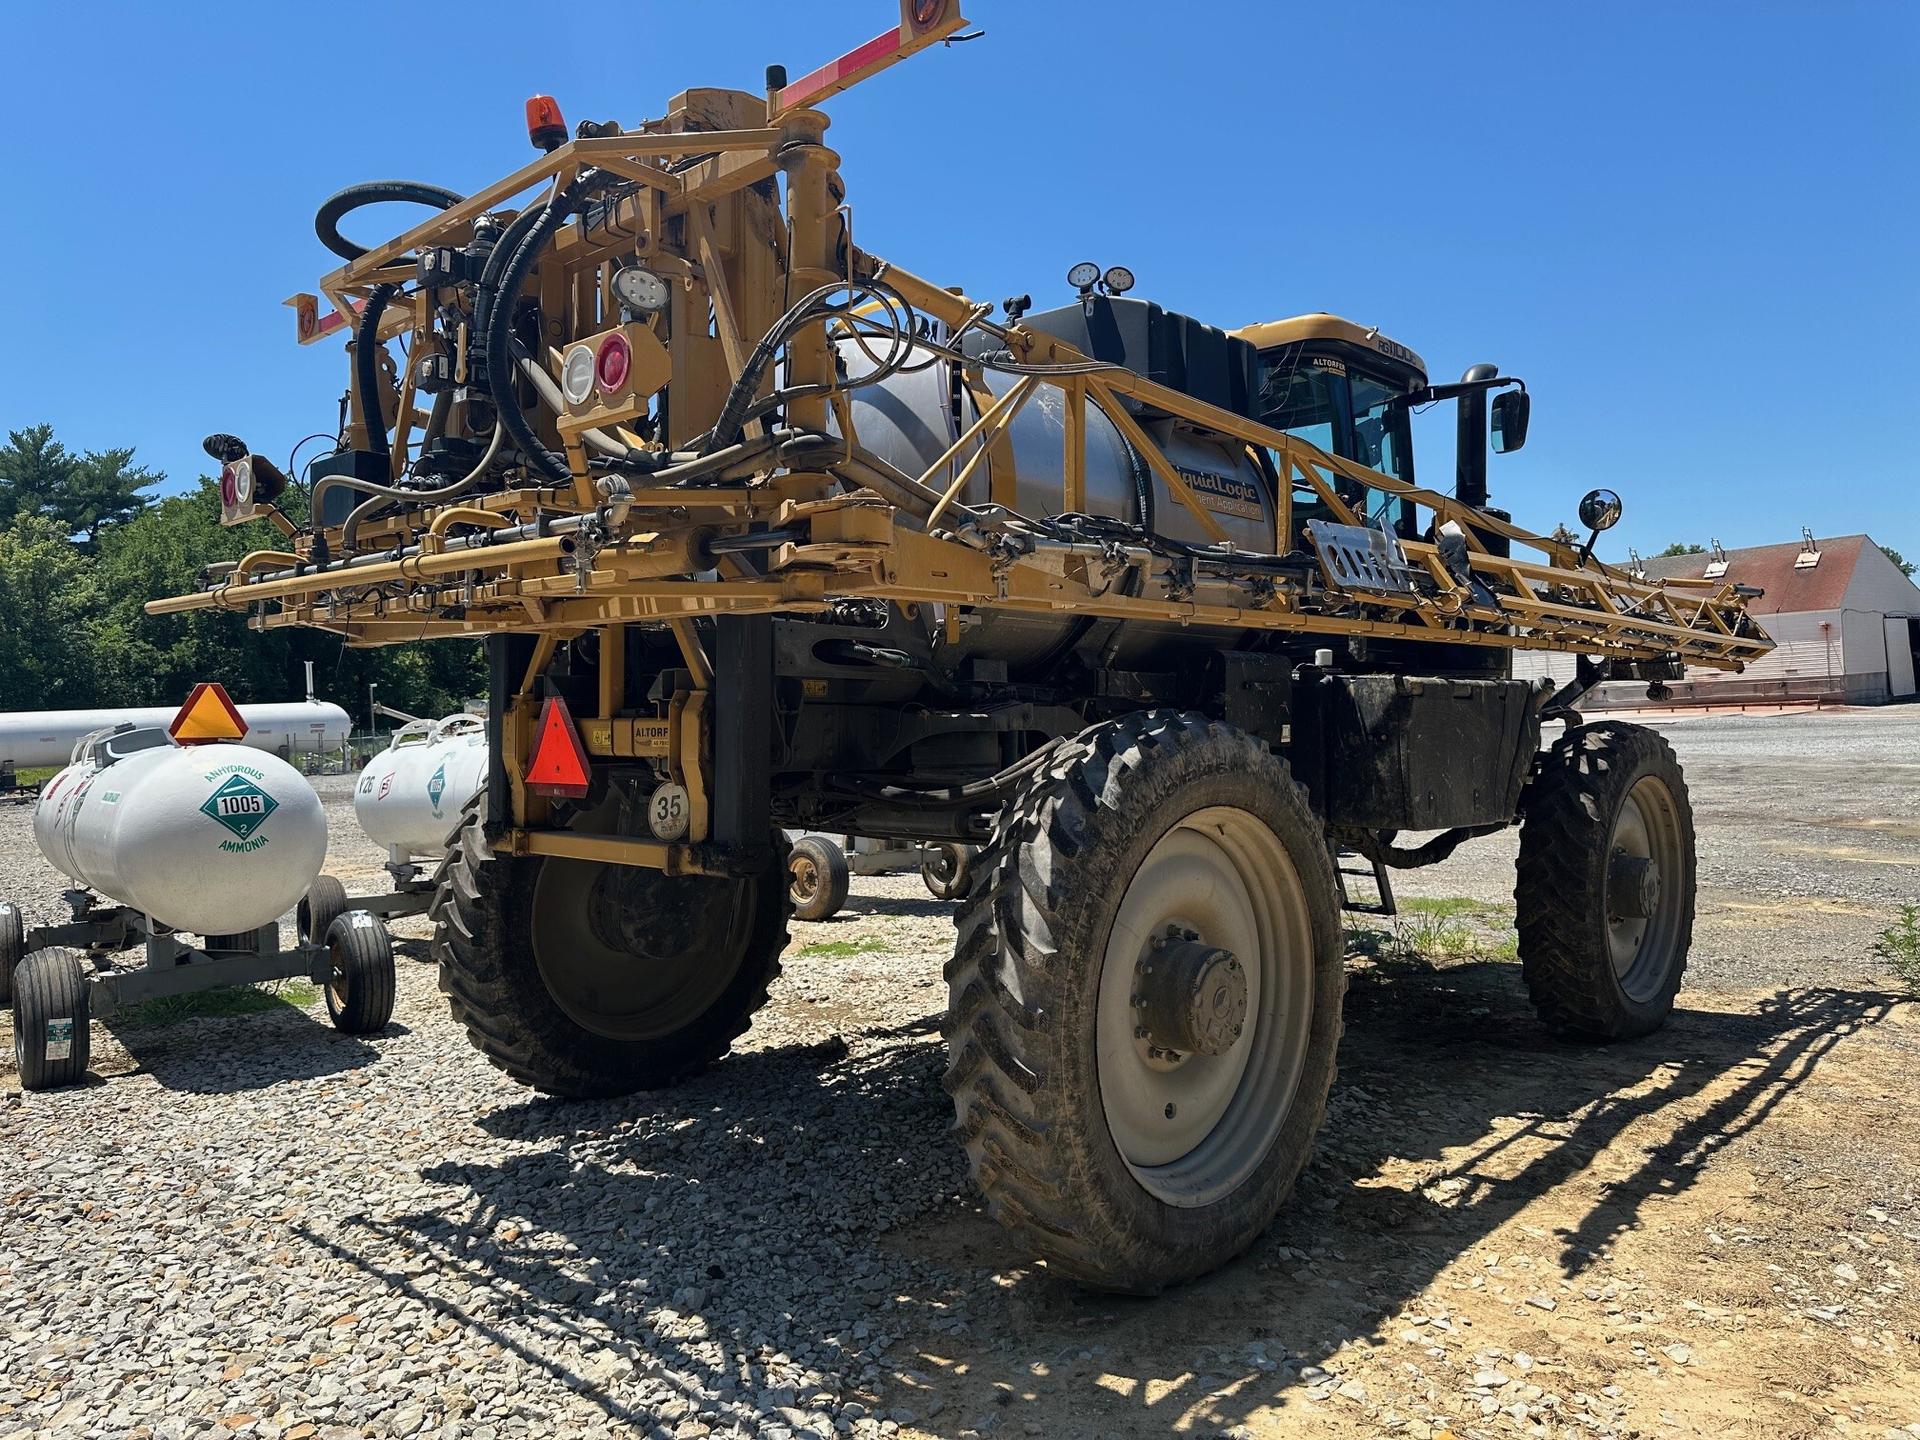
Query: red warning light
(559, 765)
(546, 126)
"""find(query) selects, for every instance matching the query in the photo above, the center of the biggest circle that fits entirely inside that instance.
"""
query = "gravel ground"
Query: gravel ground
(257, 1226)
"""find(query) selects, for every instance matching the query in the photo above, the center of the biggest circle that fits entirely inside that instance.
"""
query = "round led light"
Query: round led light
(1119, 280)
(576, 375)
(239, 478)
(229, 488)
(1084, 276)
(641, 290)
(613, 364)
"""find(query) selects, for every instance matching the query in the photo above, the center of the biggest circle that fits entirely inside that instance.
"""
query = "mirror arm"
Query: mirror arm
(1432, 394)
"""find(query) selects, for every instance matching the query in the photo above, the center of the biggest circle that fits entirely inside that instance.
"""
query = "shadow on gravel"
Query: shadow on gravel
(896, 905)
(225, 1055)
(797, 1203)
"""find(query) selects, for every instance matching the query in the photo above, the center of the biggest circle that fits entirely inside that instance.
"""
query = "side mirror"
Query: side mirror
(1599, 509)
(1510, 411)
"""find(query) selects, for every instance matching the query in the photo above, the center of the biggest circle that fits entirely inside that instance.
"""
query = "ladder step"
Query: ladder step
(1382, 904)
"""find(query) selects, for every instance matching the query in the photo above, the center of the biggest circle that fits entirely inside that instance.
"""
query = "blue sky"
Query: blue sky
(1691, 228)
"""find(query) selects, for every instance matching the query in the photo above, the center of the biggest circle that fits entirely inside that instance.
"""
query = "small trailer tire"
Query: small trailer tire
(818, 878)
(947, 871)
(313, 917)
(13, 946)
(361, 979)
(50, 1019)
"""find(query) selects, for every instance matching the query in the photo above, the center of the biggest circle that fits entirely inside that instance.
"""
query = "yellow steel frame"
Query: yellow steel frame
(702, 216)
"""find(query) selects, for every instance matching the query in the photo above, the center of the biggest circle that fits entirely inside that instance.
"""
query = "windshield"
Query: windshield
(1344, 411)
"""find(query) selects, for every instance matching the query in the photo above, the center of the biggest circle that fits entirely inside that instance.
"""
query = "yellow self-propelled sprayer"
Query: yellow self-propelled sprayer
(765, 532)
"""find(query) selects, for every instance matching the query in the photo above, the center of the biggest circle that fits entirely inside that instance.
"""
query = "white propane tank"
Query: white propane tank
(411, 794)
(212, 839)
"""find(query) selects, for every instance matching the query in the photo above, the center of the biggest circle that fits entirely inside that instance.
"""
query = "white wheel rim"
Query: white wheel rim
(1223, 873)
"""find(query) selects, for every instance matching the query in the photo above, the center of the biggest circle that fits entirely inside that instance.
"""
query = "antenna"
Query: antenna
(1809, 555)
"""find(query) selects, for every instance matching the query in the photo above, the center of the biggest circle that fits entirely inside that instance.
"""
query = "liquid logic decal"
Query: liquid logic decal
(436, 787)
(243, 807)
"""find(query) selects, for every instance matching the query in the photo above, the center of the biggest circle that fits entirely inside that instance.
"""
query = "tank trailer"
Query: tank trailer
(765, 532)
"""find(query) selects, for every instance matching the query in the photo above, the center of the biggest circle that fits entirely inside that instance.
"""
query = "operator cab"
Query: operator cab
(1344, 389)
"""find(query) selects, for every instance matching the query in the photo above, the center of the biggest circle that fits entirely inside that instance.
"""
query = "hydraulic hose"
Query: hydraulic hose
(326, 222)
(385, 495)
(499, 331)
(366, 369)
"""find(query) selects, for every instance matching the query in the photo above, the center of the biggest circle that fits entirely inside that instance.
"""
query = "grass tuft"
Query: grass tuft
(840, 949)
(1438, 931)
(228, 1000)
(1899, 947)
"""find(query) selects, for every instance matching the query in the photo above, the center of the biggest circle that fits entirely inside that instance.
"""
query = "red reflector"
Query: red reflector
(614, 363)
(559, 765)
(546, 126)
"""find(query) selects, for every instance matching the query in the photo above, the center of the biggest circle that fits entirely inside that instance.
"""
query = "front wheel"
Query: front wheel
(1604, 894)
(818, 878)
(1144, 1007)
(360, 973)
(947, 872)
(585, 979)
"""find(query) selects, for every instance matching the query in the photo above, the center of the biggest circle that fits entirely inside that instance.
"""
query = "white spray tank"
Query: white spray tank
(411, 794)
(212, 839)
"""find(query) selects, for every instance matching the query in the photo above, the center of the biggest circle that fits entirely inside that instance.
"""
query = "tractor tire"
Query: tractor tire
(361, 980)
(948, 872)
(13, 947)
(51, 1039)
(1144, 1005)
(817, 878)
(585, 980)
(1604, 892)
(313, 917)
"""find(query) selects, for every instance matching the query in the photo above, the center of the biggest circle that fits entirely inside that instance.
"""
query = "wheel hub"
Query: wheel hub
(1191, 998)
(1633, 886)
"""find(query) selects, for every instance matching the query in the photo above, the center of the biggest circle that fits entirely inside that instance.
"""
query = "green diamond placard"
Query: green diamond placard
(240, 805)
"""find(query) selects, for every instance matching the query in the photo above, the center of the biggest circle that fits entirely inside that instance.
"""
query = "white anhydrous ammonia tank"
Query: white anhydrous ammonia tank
(47, 737)
(411, 794)
(211, 839)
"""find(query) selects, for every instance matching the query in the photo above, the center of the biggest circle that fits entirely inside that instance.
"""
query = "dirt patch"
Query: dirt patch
(1708, 1232)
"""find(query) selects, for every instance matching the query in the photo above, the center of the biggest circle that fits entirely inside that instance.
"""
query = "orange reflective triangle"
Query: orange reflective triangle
(207, 715)
(559, 764)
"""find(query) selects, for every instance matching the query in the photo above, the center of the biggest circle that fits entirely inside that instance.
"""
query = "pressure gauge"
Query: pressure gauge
(1084, 276)
(641, 291)
(576, 374)
(1118, 280)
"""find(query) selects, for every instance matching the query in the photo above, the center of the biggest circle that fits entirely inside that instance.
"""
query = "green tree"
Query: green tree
(103, 488)
(1678, 548)
(34, 468)
(1906, 565)
(48, 599)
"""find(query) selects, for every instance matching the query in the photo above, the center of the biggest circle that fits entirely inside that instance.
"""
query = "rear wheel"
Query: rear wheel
(360, 973)
(1604, 894)
(1144, 1007)
(817, 878)
(13, 945)
(313, 917)
(51, 1039)
(587, 979)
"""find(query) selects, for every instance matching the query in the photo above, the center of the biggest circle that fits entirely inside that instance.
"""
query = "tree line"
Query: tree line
(83, 546)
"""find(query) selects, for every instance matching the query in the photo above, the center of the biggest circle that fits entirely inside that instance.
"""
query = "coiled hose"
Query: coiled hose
(336, 207)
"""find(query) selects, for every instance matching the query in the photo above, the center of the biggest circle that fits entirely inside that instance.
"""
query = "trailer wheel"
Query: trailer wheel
(313, 917)
(1144, 1006)
(13, 945)
(361, 979)
(817, 878)
(586, 980)
(1604, 894)
(947, 871)
(51, 1039)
